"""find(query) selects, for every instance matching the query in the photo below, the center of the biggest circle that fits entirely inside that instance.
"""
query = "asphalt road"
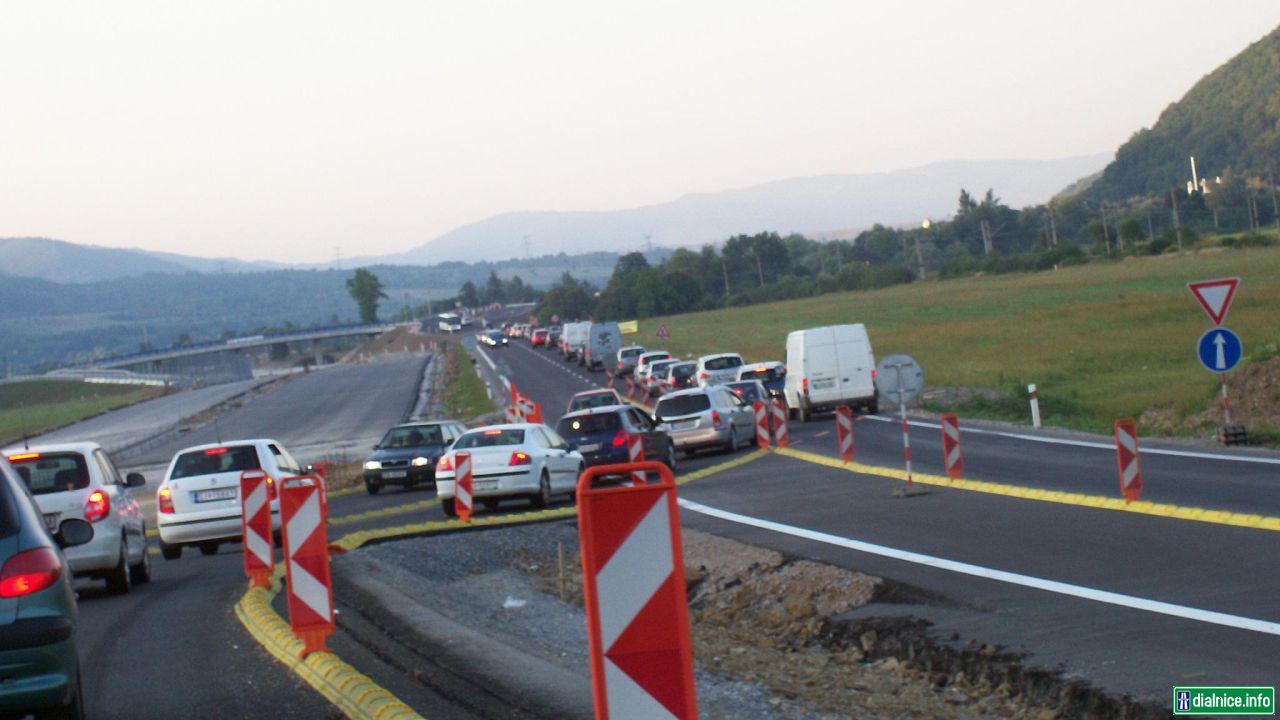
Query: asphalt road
(1199, 565)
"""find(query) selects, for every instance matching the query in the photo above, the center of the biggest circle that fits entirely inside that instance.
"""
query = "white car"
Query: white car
(199, 501)
(718, 369)
(78, 480)
(517, 460)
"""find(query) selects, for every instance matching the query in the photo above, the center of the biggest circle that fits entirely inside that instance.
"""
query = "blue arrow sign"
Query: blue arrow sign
(1219, 350)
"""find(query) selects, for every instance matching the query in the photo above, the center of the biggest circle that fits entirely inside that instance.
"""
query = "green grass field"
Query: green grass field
(40, 405)
(465, 396)
(1101, 341)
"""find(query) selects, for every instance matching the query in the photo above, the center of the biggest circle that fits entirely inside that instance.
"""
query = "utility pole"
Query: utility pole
(1053, 226)
(1275, 204)
(1151, 232)
(1253, 209)
(648, 243)
(987, 245)
(1106, 230)
(526, 247)
(725, 268)
(759, 269)
(1177, 222)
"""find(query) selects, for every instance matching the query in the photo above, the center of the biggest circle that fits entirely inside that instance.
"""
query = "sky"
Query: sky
(291, 131)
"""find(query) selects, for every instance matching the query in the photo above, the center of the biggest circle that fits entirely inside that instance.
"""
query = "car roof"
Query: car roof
(647, 353)
(595, 392)
(601, 410)
(686, 391)
(84, 448)
(228, 443)
(713, 356)
(766, 364)
(422, 423)
(505, 426)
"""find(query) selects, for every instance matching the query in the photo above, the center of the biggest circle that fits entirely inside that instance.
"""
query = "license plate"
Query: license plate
(392, 474)
(685, 425)
(591, 447)
(484, 485)
(203, 496)
(51, 521)
(824, 384)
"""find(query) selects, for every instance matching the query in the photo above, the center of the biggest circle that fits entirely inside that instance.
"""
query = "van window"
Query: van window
(216, 460)
(55, 472)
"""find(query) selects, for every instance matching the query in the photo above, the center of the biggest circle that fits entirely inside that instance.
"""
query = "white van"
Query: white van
(572, 338)
(602, 344)
(830, 366)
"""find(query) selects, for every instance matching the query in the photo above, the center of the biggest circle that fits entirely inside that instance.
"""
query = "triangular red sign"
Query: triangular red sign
(1215, 296)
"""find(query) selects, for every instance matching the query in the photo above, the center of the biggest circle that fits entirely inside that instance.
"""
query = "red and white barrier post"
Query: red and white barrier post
(952, 457)
(631, 388)
(844, 432)
(635, 453)
(463, 491)
(634, 594)
(762, 424)
(780, 436)
(1127, 459)
(256, 491)
(608, 377)
(306, 554)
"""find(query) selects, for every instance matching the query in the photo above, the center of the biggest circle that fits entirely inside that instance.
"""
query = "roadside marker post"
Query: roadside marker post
(255, 527)
(1035, 405)
(780, 436)
(634, 594)
(844, 432)
(762, 424)
(306, 554)
(952, 457)
(1127, 459)
(463, 491)
(635, 454)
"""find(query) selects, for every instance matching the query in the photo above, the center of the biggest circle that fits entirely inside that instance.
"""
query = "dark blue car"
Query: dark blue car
(600, 435)
(407, 454)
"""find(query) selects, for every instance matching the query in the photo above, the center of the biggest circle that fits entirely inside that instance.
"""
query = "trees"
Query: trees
(366, 290)
(569, 298)
(468, 295)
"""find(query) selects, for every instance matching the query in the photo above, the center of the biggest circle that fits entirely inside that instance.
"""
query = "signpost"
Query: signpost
(1219, 350)
(663, 333)
(900, 378)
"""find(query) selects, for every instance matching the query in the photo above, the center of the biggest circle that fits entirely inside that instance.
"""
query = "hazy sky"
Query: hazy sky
(283, 129)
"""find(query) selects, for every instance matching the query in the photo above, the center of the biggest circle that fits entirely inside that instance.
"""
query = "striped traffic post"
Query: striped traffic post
(780, 436)
(463, 492)
(635, 454)
(952, 457)
(844, 432)
(762, 424)
(306, 552)
(631, 388)
(634, 595)
(1127, 459)
(256, 491)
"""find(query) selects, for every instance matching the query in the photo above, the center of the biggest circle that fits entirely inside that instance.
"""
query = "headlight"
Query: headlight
(421, 462)
(372, 465)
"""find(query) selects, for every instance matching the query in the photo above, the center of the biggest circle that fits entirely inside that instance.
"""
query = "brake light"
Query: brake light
(492, 432)
(271, 488)
(804, 385)
(164, 501)
(873, 373)
(446, 463)
(97, 507)
(215, 451)
(619, 364)
(28, 572)
(620, 439)
(520, 458)
(715, 418)
(24, 456)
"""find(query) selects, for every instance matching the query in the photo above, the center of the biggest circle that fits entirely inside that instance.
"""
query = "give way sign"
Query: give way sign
(1215, 296)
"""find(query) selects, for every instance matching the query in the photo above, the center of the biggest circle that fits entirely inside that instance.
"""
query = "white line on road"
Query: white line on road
(1054, 586)
(1089, 443)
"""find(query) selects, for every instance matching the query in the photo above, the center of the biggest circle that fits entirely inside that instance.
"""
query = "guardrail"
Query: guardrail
(239, 343)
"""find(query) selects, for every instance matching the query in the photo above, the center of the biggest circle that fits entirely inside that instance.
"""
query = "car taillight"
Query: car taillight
(446, 463)
(28, 572)
(164, 500)
(620, 439)
(873, 373)
(520, 458)
(97, 506)
(271, 488)
(619, 364)
(703, 376)
(715, 418)
(804, 385)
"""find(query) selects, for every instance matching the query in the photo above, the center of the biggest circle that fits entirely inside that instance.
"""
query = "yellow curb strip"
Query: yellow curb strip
(352, 692)
(1141, 507)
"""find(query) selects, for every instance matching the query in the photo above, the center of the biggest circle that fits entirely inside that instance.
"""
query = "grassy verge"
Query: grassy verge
(464, 396)
(1101, 341)
(37, 406)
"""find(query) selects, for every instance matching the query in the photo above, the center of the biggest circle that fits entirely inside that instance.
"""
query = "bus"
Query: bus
(449, 322)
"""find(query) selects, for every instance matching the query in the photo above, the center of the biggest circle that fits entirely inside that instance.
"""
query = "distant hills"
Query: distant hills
(809, 205)
(1229, 120)
(64, 262)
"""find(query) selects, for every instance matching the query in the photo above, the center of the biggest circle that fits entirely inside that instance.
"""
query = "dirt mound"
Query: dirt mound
(1253, 394)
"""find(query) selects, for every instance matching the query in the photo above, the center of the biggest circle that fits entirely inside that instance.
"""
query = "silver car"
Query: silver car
(627, 358)
(718, 369)
(711, 417)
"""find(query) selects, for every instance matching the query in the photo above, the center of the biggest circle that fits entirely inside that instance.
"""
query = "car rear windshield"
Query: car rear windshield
(55, 472)
(682, 405)
(489, 438)
(682, 370)
(762, 374)
(407, 437)
(748, 391)
(724, 362)
(237, 458)
(594, 400)
(634, 352)
(588, 424)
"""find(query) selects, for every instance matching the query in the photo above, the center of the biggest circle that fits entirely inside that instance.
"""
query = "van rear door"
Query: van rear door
(821, 367)
(855, 360)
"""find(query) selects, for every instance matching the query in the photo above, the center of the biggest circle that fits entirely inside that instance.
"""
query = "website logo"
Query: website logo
(1231, 700)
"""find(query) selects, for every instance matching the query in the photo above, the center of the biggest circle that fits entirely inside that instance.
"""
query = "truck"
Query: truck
(828, 367)
(602, 344)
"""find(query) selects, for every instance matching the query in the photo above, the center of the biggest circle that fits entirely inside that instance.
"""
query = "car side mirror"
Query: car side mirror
(73, 532)
(134, 480)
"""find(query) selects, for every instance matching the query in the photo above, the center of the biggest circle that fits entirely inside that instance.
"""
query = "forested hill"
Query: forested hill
(1230, 121)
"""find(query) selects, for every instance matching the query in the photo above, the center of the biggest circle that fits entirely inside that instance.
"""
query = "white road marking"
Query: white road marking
(1089, 443)
(1104, 596)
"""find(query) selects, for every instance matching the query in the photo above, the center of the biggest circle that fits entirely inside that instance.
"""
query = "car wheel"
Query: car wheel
(170, 552)
(543, 498)
(141, 573)
(873, 407)
(448, 507)
(118, 580)
(371, 487)
(804, 414)
(208, 548)
(671, 458)
(733, 440)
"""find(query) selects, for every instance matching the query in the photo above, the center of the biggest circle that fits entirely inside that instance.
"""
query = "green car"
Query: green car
(38, 663)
